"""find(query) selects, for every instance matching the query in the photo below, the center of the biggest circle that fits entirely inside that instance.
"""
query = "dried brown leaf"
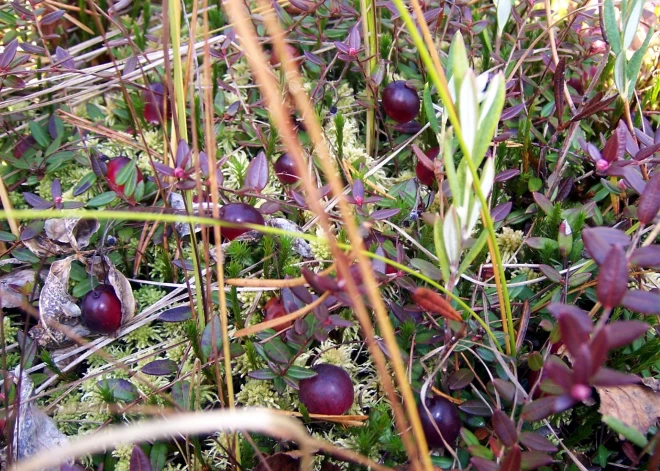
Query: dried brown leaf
(432, 302)
(634, 405)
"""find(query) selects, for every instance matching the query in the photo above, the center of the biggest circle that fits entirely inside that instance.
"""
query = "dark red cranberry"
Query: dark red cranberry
(154, 105)
(239, 213)
(101, 310)
(25, 143)
(424, 174)
(114, 166)
(330, 392)
(400, 102)
(275, 309)
(285, 169)
(445, 416)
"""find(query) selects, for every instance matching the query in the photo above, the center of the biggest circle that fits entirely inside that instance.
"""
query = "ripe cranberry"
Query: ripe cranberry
(400, 102)
(101, 310)
(154, 106)
(424, 174)
(114, 166)
(285, 169)
(330, 392)
(275, 60)
(239, 213)
(445, 416)
(275, 309)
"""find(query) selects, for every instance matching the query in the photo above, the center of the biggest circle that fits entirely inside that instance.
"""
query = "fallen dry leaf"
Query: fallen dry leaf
(634, 405)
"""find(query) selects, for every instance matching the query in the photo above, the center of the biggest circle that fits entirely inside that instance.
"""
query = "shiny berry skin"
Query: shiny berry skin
(424, 174)
(114, 166)
(445, 416)
(400, 102)
(101, 310)
(285, 169)
(154, 106)
(275, 309)
(330, 392)
(239, 213)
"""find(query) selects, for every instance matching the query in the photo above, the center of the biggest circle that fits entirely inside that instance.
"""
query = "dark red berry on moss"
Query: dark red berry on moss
(285, 169)
(330, 392)
(101, 310)
(444, 415)
(424, 174)
(275, 309)
(239, 213)
(400, 102)
(114, 166)
(154, 104)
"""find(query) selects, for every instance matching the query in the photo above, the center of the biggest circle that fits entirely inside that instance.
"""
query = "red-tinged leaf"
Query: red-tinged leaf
(501, 211)
(182, 154)
(257, 173)
(56, 188)
(646, 302)
(8, 54)
(411, 127)
(507, 390)
(646, 257)
(482, 464)
(558, 372)
(139, 460)
(263, 374)
(36, 202)
(313, 58)
(476, 407)
(609, 377)
(422, 157)
(649, 202)
(460, 379)
(594, 106)
(512, 460)
(599, 349)
(343, 48)
(539, 409)
(539, 242)
(580, 317)
(537, 442)
(512, 112)
(612, 236)
(52, 17)
(613, 278)
(354, 37)
(505, 428)
(596, 246)
(552, 274)
(270, 207)
(506, 175)
(647, 152)
(630, 174)
(582, 365)
(622, 333)
(558, 83)
(543, 203)
(591, 150)
(534, 460)
(433, 302)
(615, 147)
(160, 368)
(31, 230)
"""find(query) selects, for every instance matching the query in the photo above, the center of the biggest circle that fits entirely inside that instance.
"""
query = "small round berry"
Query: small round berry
(154, 106)
(424, 174)
(444, 416)
(101, 310)
(285, 169)
(239, 213)
(114, 166)
(400, 102)
(330, 392)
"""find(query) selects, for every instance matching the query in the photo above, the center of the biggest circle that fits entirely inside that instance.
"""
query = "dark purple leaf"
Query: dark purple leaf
(534, 460)
(506, 175)
(647, 151)
(130, 66)
(270, 207)
(8, 54)
(599, 349)
(632, 176)
(596, 246)
(504, 428)
(539, 242)
(501, 211)
(512, 460)
(313, 58)
(591, 150)
(71, 467)
(537, 442)
(559, 372)
(52, 17)
(552, 274)
(257, 173)
(543, 203)
(384, 213)
(622, 333)
(182, 154)
(546, 406)
(164, 169)
(122, 390)
(358, 192)
(299, 199)
(56, 188)
(615, 147)
(377, 265)
(139, 460)
(176, 314)
(411, 127)
(460, 379)
(558, 84)
(613, 278)
(341, 47)
(476, 407)
(160, 368)
(32, 49)
(355, 38)
(646, 302)
(52, 126)
(264, 374)
(63, 58)
(594, 106)
(36, 202)
(649, 202)
(564, 189)
(507, 390)
(608, 377)
(512, 112)
(575, 327)
(646, 257)
(31, 230)
(482, 464)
